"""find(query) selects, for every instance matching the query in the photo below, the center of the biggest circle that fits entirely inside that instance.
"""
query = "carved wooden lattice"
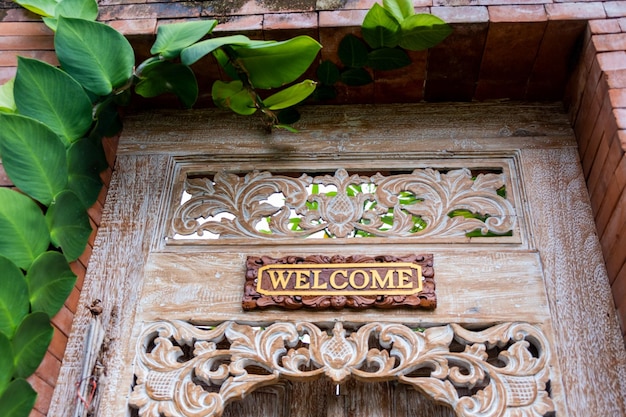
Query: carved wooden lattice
(425, 203)
(186, 370)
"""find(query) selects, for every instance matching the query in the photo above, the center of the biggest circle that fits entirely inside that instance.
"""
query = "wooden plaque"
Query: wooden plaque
(322, 282)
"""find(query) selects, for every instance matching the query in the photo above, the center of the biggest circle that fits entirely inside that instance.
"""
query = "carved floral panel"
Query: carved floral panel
(426, 203)
(187, 370)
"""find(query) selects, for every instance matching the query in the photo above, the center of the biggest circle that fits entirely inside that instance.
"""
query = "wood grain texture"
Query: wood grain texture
(587, 335)
(114, 277)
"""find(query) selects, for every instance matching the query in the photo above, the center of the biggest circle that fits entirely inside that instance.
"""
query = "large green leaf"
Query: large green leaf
(6, 362)
(232, 95)
(108, 121)
(193, 53)
(423, 31)
(173, 38)
(290, 96)
(168, 77)
(30, 343)
(40, 7)
(23, 232)
(328, 73)
(95, 54)
(13, 297)
(49, 95)
(7, 102)
(275, 64)
(33, 156)
(68, 223)
(356, 77)
(385, 59)
(400, 9)
(352, 51)
(50, 281)
(85, 160)
(18, 399)
(380, 28)
(81, 9)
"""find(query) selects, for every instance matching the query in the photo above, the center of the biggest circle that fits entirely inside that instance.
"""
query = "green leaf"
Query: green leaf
(194, 52)
(40, 7)
(95, 54)
(290, 96)
(352, 51)
(225, 63)
(423, 31)
(400, 9)
(49, 95)
(385, 59)
(233, 96)
(380, 28)
(328, 73)
(30, 343)
(7, 102)
(13, 297)
(173, 38)
(6, 362)
(85, 160)
(108, 121)
(168, 77)
(271, 65)
(18, 399)
(68, 223)
(23, 232)
(50, 281)
(81, 9)
(356, 77)
(33, 156)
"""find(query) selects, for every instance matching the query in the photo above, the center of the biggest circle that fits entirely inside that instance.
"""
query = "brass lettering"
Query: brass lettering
(279, 278)
(316, 280)
(302, 280)
(334, 284)
(404, 278)
(366, 279)
(378, 282)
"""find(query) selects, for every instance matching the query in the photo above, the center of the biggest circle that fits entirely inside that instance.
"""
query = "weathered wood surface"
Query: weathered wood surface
(587, 336)
(472, 288)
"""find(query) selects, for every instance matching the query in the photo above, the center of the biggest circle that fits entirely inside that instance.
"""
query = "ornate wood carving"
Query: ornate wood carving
(425, 299)
(187, 370)
(417, 205)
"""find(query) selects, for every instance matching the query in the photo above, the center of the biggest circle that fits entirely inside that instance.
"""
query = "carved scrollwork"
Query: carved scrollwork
(185, 370)
(425, 203)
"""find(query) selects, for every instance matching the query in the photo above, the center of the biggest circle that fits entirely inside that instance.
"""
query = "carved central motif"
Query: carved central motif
(424, 203)
(186, 370)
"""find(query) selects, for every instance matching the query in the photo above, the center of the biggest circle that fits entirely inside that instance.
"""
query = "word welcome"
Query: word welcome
(376, 278)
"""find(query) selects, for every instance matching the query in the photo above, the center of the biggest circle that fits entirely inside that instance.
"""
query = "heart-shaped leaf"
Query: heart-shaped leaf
(385, 59)
(356, 77)
(173, 38)
(30, 343)
(7, 102)
(49, 95)
(380, 28)
(193, 53)
(232, 95)
(33, 156)
(40, 7)
(23, 232)
(165, 76)
(85, 160)
(50, 281)
(95, 54)
(13, 298)
(352, 51)
(18, 399)
(7, 364)
(423, 31)
(68, 223)
(400, 9)
(290, 96)
(81, 9)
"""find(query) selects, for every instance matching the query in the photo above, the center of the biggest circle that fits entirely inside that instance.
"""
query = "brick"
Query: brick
(596, 168)
(9, 58)
(575, 11)
(173, 10)
(49, 369)
(615, 8)
(618, 97)
(341, 18)
(517, 13)
(616, 78)
(86, 255)
(585, 121)
(275, 21)
(6, 73)
(95, 213)
(610, 42)
(249, 23)
(80, 270)
(620, 118)
(611, 234)
(603, 26)
(36, 413)
(4, 178)
(607, 205)
(58, 344)
(110, 149)
(462, 14)
(20, 14)
(504, 2)
(72, 300)
(622, 23)
(26, 43)
(612, 60)
(135, 26)
(606, 172)
(44, 393)
(63, 320)
(24, 29)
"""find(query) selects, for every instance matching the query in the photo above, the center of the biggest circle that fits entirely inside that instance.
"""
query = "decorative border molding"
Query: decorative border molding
(425, 299)
(427, 203)
(187, 370)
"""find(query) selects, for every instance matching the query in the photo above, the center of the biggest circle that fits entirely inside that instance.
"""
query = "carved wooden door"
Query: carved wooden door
(505, 219)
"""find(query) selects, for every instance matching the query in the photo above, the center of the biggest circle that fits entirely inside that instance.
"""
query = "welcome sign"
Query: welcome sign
(321, 281)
